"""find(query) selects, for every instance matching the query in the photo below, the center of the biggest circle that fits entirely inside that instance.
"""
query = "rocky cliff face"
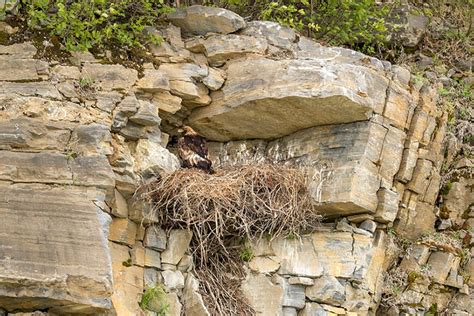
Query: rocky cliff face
(77, 139)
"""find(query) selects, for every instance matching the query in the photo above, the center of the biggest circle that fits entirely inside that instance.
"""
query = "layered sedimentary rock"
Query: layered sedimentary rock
(77, 140)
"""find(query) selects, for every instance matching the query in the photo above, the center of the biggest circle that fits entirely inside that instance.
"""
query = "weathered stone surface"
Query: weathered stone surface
(35, 167)
(174, 305)
(173, 279)
(440, 264)
(32, 134)
(167, 102)
(137, 254)
(265, 297)
(387, 208)
(415, 220)
(283, 96)
(152, 258)
(264, 264)
(327, 290)
(155, 238)
(193, 302)
(151, 158)
(146, 115)
(14, 69)
(41, 89)
(276, 34)
(313, 309)
(297, 258)
(215, 79)
(201, 20)
(19, 50)
(293, 295)
(110, 77)
(301, 281)
(153, 81)
(368, 225)
(150, 277)
(178, 243)
(221, 48)
(123, 231)
(45, 252)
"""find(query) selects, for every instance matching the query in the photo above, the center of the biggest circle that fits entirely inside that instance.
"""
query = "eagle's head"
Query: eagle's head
(187, 130)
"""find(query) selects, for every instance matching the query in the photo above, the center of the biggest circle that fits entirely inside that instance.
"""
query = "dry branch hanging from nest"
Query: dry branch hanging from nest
(234, 203)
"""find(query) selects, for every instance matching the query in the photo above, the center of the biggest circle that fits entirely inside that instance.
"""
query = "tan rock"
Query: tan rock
(193, 302)
(399, 106)
(267, 107)
(15, 69)
(119, 208)
(312, 309)
(178, 243)
(35, 167)
(201, 20)
(110, 77)
(54, 251)
(152, 258)
(174, 305)
(123, 231)
(153, 81)
(409, 159)
(387, 208)
(151, 158)
(440, 264)
(221, 48)
(264, 297)
(146, 115)
(167, 102)
(297, 258)
(421, 175)
(155, 238)
(328, 290)
(264, 265)
(138, 254)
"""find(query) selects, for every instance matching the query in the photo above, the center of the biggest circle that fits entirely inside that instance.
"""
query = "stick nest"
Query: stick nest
(222, 209)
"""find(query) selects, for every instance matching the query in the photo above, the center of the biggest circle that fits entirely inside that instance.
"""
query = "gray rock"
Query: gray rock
(368, 225)
(289, 311)
(155, 238)
(150, 277)
(178, 243)
(173, 279)
(200, 20)
(328, 290)
(264, 296)
(293, 295)
(146, 115)
(276, 34)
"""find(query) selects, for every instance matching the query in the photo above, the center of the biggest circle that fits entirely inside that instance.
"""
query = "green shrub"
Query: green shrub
(338, 22)
(84, 24)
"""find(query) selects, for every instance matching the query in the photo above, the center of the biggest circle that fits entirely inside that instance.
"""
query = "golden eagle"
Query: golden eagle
(192, 149)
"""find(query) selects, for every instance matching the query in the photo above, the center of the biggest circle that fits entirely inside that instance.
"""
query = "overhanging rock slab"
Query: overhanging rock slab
(59, 258)
(267, 99)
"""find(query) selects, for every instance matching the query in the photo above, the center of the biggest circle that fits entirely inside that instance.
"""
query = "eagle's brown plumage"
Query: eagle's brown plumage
(192, 149)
